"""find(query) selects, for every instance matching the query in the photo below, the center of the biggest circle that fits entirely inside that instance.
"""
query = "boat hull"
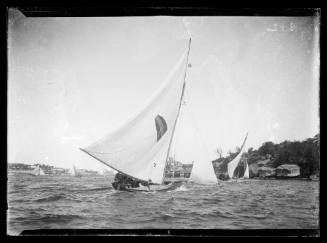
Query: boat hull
(153, 188)
(288, 177)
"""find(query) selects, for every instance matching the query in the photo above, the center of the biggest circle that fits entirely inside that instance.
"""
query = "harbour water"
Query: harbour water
(65, 202)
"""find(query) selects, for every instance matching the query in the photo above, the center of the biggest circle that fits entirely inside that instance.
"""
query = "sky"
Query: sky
(71, 81)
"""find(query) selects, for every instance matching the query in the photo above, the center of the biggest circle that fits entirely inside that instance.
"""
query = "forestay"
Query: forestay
(233, 164)
(139, 147)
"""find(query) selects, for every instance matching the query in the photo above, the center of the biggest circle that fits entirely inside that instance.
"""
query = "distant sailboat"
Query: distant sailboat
(246, 173)
(75, 172)
(235, 162)
(38, 171)
(141, 147)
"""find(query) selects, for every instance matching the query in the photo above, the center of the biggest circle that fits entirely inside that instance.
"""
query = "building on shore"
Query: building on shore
(177, 171)
(20, 166)
(85, 172)
(287, 171)
(27, 168)
(59, 171)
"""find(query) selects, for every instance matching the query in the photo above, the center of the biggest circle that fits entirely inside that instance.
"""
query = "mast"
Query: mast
(179, 108)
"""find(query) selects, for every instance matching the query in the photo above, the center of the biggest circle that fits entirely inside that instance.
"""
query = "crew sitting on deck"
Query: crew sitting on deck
(123, 181)
(149, 183)
(145, 184)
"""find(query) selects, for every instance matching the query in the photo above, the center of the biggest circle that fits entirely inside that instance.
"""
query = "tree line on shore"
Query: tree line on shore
(305, 154)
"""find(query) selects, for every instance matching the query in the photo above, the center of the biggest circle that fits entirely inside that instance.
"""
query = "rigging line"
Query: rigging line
(179, 108)
(177, 138)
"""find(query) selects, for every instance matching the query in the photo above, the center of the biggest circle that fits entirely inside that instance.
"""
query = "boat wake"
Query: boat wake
(149, 192)
(182, 188)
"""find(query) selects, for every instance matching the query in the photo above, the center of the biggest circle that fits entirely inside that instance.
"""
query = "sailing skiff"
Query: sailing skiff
(231, 167)
(140, 148)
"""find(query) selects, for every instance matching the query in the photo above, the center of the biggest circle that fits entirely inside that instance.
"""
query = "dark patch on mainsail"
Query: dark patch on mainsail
(161, 126)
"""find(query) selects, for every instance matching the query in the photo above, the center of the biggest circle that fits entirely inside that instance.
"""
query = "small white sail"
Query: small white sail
(74, 172)
(139, 148)
(35, 171)
(41, 172)
(38, 171)
(246, 173)
(234, 163)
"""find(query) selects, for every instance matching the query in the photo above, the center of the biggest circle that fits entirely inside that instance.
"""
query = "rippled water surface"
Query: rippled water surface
(90, 202)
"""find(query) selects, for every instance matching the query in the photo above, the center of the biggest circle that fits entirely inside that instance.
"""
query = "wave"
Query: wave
(214, 213)
(54, 187)
(18, 187)
(214, 200)
(59, 218)
(182, 188)
(256, 216)
(51, 198)
(48, 218)
(113, 192)
(92, 189)
(149, 192)
(166, 216)
(95, 204)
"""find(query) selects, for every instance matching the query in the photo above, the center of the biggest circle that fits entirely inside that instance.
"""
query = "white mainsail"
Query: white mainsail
(140, 147)
(246, 173)
(234, 163)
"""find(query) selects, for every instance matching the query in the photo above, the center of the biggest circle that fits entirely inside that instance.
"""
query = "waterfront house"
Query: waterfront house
(287, 170)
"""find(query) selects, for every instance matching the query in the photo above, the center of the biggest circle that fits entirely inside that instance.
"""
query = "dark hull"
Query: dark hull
(120, 187)
(288, 177)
